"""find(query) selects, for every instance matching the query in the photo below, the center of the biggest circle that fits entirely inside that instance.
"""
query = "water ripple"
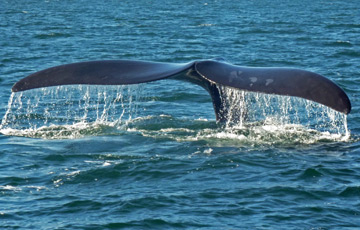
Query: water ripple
(76, 158)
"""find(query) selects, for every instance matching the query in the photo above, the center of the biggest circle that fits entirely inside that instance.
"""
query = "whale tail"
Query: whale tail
(208, 74)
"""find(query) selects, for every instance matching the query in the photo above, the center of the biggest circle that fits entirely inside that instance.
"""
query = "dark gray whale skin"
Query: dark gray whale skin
(205, 73)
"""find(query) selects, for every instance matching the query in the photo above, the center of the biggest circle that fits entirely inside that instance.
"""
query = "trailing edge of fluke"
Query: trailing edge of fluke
(206, 73)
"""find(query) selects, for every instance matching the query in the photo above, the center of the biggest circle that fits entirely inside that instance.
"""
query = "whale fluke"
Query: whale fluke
(206, 73)
(280, 81)
(114, 72)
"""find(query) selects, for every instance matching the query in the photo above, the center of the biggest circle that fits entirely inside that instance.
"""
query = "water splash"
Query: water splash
(253, 118)
(248, 108)
(70, 111)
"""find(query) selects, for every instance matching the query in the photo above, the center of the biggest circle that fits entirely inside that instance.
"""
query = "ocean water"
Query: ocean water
(151, 156)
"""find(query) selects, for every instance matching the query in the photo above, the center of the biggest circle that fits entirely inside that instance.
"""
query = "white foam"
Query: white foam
(22, 188)
(9, 187)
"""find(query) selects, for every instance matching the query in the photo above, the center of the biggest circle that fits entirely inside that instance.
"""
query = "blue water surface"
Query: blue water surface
(152, 156)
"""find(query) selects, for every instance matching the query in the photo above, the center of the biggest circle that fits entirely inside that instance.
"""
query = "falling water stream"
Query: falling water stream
(77, 111)
(69, 111)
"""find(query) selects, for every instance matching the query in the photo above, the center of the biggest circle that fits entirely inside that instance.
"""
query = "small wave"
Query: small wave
(343, 25)
(350, 191)
(340, 43)
(349, 53)
(206, 25)
(52, 35)
(310, 173)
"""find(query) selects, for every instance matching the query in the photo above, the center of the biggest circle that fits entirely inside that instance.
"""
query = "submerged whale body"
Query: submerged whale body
(205, 73)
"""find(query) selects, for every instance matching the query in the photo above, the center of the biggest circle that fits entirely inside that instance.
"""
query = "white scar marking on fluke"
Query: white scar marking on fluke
(269, 81)
(253, 79)
(234, 75)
